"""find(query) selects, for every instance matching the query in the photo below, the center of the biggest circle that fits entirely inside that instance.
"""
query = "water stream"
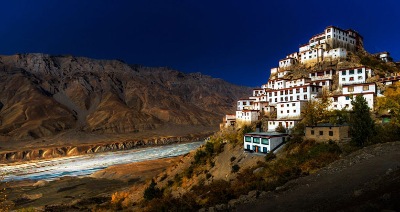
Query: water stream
(83, 165)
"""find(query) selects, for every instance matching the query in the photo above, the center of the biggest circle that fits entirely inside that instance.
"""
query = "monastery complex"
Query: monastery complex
(282, 98)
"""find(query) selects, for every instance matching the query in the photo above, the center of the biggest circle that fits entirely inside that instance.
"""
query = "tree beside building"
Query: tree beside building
(361, 123)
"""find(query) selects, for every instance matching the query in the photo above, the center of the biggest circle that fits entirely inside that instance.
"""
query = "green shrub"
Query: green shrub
(178, 179)
(235, 168)
(280, 129)
(152, 191)
(199, 157)
(385, 133)
(209, 148)
(188, 172)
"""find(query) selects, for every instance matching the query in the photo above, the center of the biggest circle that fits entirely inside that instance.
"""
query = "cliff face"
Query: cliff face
(44, 95)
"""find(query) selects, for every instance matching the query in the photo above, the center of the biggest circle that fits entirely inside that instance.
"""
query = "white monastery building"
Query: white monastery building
(286, 97)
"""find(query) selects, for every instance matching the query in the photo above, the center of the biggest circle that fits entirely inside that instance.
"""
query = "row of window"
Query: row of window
(359, 71)
(257, 140)
(244, 103)
(351, 88)
(340, 38)
(287, 105)
(322, 133)
(321, 73)
(291, 98)
(280, 123)
(294, 111)
(352, 78)
(335, 99)
(258, 149)
(286, 92)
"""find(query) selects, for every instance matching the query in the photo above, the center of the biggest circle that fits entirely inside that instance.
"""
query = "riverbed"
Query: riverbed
(84, 165)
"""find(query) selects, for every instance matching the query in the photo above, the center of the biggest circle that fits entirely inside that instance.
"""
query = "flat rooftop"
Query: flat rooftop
(270, 134)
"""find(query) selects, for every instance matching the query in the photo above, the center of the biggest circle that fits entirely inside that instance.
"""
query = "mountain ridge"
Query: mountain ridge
(43, 95)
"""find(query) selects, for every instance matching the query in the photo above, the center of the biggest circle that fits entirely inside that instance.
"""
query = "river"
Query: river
(84, 165)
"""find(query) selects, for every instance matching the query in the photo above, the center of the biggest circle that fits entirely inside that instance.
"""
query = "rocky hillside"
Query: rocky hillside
(43, 95)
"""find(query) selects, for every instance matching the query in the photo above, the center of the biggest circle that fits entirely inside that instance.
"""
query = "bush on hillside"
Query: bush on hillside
(209, 148)
(280, 129)
(200, 157)
(152, 191)
(362, 126)
(235, 168)
(388, 132)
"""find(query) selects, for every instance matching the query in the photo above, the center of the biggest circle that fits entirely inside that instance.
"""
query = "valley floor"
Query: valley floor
(73, 193)
(368, 179)
(78, 138)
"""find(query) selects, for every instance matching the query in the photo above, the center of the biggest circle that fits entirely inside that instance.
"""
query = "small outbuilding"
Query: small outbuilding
(263, 142)
(328, 132)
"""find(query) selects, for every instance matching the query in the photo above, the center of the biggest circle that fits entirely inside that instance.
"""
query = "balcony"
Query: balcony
(353, 82)
(288, 117)
(323, 77)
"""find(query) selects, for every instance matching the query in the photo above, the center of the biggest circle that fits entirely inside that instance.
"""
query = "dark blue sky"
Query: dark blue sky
(238, 41)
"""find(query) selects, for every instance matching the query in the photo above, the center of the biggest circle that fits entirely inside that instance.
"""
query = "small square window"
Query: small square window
(347, 98)
(351, 72)
(359, 71)
(351, 79)
(365, 88)
(351, 89)
(344, 73)
(321, 132)
(293, 104)
(343, 79)
(330, 133)
(312, 132)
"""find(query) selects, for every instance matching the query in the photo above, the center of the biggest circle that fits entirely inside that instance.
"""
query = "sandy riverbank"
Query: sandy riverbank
(95, 189)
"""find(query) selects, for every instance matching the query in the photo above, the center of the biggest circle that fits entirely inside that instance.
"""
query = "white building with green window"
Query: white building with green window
(354, 75)
(263, 142)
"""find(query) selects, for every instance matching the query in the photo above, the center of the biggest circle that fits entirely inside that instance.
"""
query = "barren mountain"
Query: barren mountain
(43, 95)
